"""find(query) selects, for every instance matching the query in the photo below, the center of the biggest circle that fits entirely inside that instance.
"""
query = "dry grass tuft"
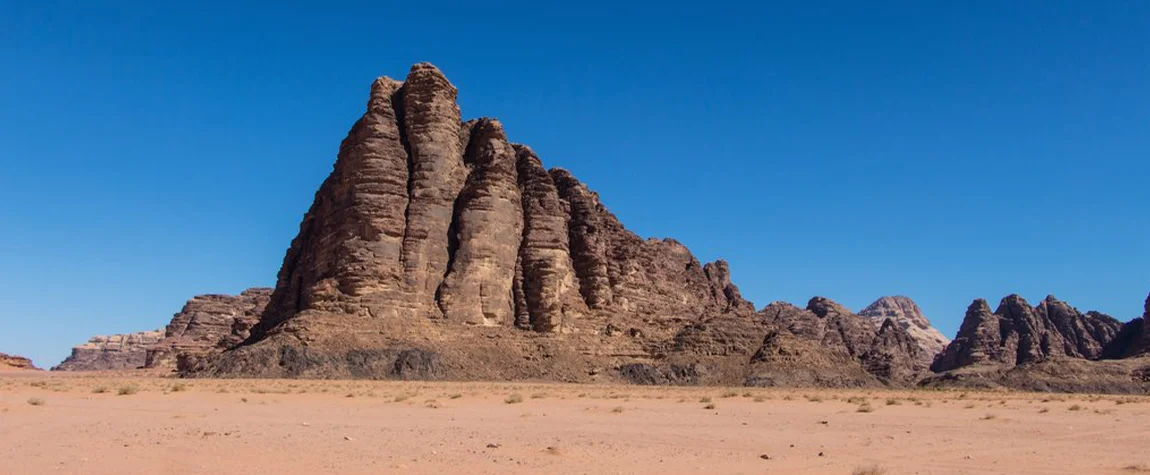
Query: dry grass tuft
(869, 470)
(127, 390)
(513, 399)
(36, 401)
(865, 407)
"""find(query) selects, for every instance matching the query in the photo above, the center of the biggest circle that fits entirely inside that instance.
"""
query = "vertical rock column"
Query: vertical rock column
(549, 286)
(489, 226)
(351, 239)
(588, 239)
(431, 120)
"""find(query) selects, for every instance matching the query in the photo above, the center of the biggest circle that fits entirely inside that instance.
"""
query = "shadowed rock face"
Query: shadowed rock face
(904, 313)
(126, 351)
(431, 231)
(1144, 342)
(1017, 333)
(1133, 339)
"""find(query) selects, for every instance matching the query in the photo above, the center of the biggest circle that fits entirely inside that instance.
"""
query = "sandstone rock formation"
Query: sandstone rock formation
(1017, 333)
(823, 345)
(904, 313)
(1051, 347)
(440, 241)
(208, 323)
(14, 362)
(114, 352)
(889, 353)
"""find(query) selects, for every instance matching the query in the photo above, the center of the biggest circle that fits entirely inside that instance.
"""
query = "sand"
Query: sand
(115, 424)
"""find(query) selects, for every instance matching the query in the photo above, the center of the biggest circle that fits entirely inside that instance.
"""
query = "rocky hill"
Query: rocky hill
(13, 362)
(114, 352)
(437, 248)
(206, 324)
(902, 311)
(1053, 346)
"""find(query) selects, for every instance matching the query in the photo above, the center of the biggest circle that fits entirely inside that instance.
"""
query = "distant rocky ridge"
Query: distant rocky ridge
(8, 361)
(206, 324)
(1053, 346)
(902, 311)
(111, 352)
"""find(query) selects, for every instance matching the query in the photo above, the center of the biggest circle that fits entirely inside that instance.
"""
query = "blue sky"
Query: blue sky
(941, 150)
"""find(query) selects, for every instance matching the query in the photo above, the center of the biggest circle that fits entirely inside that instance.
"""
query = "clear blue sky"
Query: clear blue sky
(943, 150)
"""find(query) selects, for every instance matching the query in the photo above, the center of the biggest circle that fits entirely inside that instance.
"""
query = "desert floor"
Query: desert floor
(117, 423)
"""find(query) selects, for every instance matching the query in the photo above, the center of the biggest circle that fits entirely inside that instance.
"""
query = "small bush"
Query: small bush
(864, 407)
(513, 399)
(892, 402)
(1075, 408)
(729, 394)
(100, 389)
(705, 399)
(869, 470)
(36, 401)
(709, 406)
(617, 409)
(127, 390)
(179, 387)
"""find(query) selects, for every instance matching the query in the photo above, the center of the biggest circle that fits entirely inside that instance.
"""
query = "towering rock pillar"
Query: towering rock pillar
(550, 289)
(589, 238)
(431, 121)
(489, 226)
(351, 239)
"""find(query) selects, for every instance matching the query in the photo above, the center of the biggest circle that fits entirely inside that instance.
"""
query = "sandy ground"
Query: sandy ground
(115, 424)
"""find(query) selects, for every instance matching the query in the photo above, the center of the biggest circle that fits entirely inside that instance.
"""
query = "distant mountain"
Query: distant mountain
(1053, 346)
(110, 352)
(906, 314)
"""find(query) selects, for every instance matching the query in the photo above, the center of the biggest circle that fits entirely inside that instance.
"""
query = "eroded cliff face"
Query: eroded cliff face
(431, 230)
(207, 324)
(111, 352)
